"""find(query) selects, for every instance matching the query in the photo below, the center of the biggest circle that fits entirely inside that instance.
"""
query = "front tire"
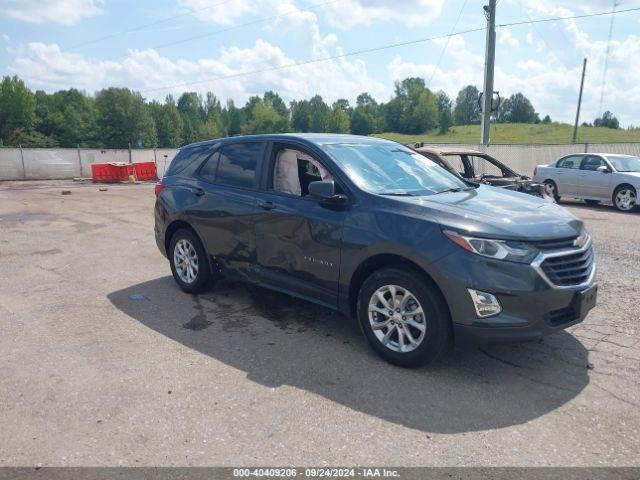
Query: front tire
(404, 318)
(625, 198)
(189, 263)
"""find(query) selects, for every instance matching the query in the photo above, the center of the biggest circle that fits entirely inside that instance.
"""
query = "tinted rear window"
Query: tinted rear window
(238, 163)
(188, 156)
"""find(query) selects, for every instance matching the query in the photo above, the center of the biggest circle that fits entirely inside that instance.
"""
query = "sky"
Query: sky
(160, 47)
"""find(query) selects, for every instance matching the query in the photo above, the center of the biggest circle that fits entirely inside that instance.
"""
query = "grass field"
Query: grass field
(520, 133)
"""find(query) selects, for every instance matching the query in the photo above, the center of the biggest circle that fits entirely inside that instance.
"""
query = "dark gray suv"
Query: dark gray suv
(369, 227)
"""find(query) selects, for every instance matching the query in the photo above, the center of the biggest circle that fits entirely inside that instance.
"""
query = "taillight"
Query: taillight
(159, 187)
(535, 170)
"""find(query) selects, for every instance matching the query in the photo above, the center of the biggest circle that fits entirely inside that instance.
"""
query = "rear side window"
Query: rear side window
(208, 170)
(188, 156)
(238, 164)
(573, 162)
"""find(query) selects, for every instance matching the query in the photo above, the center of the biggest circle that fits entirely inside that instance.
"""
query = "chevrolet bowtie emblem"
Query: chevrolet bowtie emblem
(580, 241)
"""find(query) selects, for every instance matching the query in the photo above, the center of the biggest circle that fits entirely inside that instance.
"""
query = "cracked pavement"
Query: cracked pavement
(105, 362)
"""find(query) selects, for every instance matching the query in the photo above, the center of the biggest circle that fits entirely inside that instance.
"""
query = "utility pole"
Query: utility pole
(575, 125)
(489, 60)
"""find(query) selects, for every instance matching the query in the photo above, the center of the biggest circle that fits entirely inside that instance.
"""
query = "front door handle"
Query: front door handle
(198, 192)
(267, 205)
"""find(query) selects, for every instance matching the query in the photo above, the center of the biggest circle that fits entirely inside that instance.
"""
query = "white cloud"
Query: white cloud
(65, 12)
(506, 38)
(348, 13)
(47, 67)
(550, 84)
(217, 11)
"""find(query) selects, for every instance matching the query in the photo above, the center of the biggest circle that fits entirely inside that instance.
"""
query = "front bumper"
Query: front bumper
(531, 308)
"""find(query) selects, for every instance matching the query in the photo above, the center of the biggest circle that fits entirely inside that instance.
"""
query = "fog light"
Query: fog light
(485, 303)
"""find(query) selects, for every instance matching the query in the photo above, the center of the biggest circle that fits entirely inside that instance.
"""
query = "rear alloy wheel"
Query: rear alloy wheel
(189, 263)
(404, 317)
(624, 198)
(551, 189)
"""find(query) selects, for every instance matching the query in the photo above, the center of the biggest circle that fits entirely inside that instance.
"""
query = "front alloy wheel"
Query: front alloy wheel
(404, 316)
(397, 318)
(625, 199)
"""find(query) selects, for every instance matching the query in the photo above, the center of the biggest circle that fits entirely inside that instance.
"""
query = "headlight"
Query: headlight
(509, 250)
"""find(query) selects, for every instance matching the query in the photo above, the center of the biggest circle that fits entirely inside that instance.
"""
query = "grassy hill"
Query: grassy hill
(520, 133)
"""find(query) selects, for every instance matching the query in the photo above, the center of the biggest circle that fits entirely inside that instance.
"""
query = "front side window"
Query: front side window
(390, 168)
(592, 163)
(625, 163)
(294, 170)
(237, 164)
(572, 162)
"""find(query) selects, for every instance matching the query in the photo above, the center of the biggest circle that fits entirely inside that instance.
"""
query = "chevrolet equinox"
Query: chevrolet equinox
(370, 227)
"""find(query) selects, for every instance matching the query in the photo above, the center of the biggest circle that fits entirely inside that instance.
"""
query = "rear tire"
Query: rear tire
(189, 262)
(551, 189)
(625, 198)
(592, 202)
(404, 318)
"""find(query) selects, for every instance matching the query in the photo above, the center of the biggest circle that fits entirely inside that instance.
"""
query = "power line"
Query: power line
(240, 25)
(375, 49)
(444, 49)
(606, 55)
(232, 27)
(573, 17)
(143, 26)
(314, 60)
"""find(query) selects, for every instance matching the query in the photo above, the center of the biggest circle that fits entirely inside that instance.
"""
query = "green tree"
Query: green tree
(273, 99)
(414, 108)
(318, 111)
(300, 115)
(366, 117)
(517, 109)
(445, 117)
(337, 120)
(231, 119)
(193, 116)
(17, 107)
(168, 123)
(467, 109)
(546, 119)
(265, 119)
(123, 119)
(608, 120)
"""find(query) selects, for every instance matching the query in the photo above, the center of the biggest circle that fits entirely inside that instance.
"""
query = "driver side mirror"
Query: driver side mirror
(326, 190)
(603, 169)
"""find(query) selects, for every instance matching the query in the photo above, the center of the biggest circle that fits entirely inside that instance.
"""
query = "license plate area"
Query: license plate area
(586, 300)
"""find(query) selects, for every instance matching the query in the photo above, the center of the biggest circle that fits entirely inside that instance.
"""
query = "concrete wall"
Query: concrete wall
(66, 163)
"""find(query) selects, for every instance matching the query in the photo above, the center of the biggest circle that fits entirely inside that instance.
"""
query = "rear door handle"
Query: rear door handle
(198, 192)
(267, 205)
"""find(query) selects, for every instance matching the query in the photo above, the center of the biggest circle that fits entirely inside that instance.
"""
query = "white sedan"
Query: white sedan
(593, 177)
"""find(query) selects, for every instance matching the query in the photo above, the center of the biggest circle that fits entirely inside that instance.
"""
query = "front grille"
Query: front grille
(556, 244)
(570, 269)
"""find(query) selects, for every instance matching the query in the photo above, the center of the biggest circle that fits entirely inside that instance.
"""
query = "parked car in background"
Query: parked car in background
(370, 227)
(593, 177)
(481, 168)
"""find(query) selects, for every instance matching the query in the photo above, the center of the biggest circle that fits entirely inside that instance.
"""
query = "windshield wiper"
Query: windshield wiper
(455, 189)
(398, 194)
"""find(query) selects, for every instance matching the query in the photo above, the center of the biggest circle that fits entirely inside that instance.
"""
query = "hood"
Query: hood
(635, 175)
(497, 212)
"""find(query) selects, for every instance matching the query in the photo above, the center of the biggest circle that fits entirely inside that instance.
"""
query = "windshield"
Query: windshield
(391, 169)
(625, 163)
